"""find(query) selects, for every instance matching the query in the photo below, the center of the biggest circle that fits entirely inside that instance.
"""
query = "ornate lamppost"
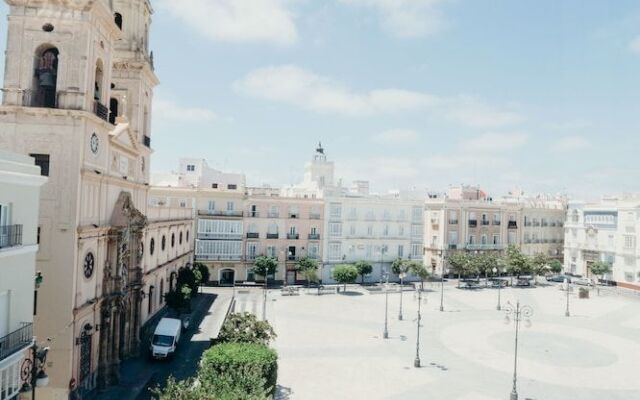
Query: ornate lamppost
(567, 286)
(385, 333)
(442, 281)
(416, 362)
(495, 271)
(33, 372)
(518, 313)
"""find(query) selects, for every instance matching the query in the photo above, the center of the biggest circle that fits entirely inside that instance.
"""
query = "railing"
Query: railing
(473, 223)
(293, 258)
(485, 246)
(314, 216)
(435, 221)
(16, 340)
(453, 246)
(101, 110)
(220, 235)
(453, 222)
(273, 215)
(39, 98)
(496, 223)
(253, 235)
(146, 140)
(253, 214)
(293, 236)
(536, 223)
(221, 213)
(293, 215)
(219, 257)
(272, 235)
(314, 236)
(485, 222)
(527, 223)
(10, 236)
(512, 225)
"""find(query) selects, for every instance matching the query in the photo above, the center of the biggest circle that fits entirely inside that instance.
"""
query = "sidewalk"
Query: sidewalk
(138, 374)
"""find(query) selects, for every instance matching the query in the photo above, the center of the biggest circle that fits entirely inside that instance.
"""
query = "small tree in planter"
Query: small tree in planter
(539, 265)
(517, 262)
(364, 268)
(187, 276)
(308, 267)
(458, 263)
(205, 275)
(265, 266)
(418, 269)
(345, 273)
(401, 268)
(599, 269)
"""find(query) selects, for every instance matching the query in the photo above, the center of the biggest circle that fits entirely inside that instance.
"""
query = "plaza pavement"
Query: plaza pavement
(331, 347)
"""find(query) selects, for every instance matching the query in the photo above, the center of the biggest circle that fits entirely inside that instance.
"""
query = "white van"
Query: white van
(165, 338)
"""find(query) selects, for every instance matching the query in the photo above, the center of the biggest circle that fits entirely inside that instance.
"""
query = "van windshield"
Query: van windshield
(162, 340)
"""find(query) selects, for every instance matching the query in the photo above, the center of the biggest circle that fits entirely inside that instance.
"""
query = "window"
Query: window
(453, 237)
(252, 250)
(42, 161)
(385, 231)
(163, 243)
(472, 239)
(335, 251)
(370, 230)
(173, 240)
(400, 251)
(335, 229)
(483, 239)
(152, 246)
(416, 250)
(496, 239)
(214, 186)
(230, 205)
(400, 230)
(352, 230)
(117, 18)
(232, 186)
(453, 217)
(46, 73)
(335, 210)
(314, 250)
(113, 110)
(416, 231)
(191, 168)
(273, 228)
(629, 242)
(511, 238)
(416, 214)
(180, 240)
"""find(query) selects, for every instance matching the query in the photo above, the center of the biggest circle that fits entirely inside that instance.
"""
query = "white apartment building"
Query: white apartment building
(604, 231)
(377, 229)
(20, 183)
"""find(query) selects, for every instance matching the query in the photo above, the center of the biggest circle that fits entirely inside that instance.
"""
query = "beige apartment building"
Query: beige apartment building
(467, 219)
(20, 184)
(282, 227)
(77, 97)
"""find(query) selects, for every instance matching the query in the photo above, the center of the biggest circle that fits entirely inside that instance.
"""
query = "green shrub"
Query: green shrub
(244, 369)
(246, 328)
(204, 272)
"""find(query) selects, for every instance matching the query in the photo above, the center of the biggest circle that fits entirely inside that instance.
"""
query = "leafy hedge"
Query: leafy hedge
(245, 369)
(246, 328)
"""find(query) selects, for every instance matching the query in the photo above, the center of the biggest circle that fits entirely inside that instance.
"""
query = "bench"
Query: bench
(323, 290)
(290, 291)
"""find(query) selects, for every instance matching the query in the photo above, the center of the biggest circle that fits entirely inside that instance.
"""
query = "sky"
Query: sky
(536, 95)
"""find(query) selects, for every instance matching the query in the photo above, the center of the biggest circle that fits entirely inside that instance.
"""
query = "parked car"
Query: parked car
(523, 282)
(164, 341)
(558, 278)
(582, 281)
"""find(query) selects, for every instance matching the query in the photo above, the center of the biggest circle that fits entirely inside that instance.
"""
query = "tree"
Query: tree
(345, 273)
(539, 265)
(517, 262)
(205, 275)
(308, 268)
(599, 268)
(458, 262)
(418, 269)
(555, 266)
(364, 268)
(246, 328)
(265, 266)
(178, 299)
(483, 263)
(186, 276)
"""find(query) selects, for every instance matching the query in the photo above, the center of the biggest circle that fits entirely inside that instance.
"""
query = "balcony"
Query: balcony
(293, 215)
(146, 140)
(314, 236)
(220, 213)
(272, 236)
(219, 236)
(453, 222)
(453, 246)
(293, 236)
(435, 221)
(496, 223)
(10, 236)
(485, 222)
(512, 225)
(101, 110)
(253, 235)
(314, 216)
(218, 257)
(273, 215)
(293, 258)
(473, 223)
(17, 340)
(253, 214)
(485, 246)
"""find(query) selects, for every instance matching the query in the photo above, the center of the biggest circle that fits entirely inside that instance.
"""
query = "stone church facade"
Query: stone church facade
(77, 96)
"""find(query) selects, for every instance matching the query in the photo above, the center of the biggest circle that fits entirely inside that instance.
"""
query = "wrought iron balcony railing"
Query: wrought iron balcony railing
(17, 340)
(10, 236)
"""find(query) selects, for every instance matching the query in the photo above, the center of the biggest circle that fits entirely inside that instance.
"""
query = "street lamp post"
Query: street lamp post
(33, 370)
(416, 362)
(402, 275)
(519, 313)
(385, 334)
(442, 281)
(499, 306)
(567, 286)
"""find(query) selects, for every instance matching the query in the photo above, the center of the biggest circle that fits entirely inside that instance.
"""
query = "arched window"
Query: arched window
(98, 86)
(113, 110)
(45, 78)
(117, 17)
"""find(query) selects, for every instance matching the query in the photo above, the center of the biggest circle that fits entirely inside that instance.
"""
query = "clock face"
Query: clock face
(95, 142)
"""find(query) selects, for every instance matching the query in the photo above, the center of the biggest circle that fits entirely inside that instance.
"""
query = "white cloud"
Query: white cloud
(466, 162)
(395, 136)
(407, 18)
(494, 142)
(470, 111)
(253, 21)
(634, 45)
(169, 111)
(571, 143)
(299, 87)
